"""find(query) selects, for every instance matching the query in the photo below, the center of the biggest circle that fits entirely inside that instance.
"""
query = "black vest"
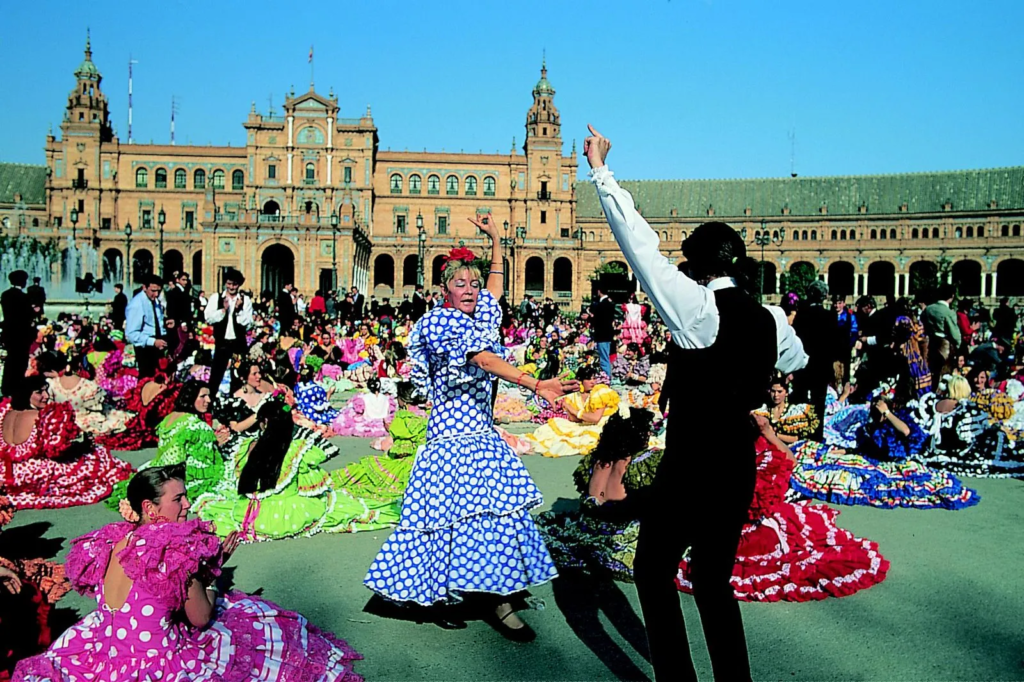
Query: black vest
(712, 390)
(220, 328)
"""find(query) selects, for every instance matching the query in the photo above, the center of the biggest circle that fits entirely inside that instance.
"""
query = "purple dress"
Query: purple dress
(148, 637)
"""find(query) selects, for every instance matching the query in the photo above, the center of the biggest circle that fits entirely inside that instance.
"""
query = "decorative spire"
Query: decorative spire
(88, 44)
(87, 70)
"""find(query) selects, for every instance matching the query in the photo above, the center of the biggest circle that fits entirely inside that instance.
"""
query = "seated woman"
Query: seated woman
(45, 459)
(587, 412)
(366, 414)
(313, 401)
(648, 395)
(884, 473)
(790, 422)
(279, 490)
(408, 429)
(151, 400)
(994, 402)
(115, 371)
(154, 582)
(94, 412)
(186, 436)
(237, 410)
(631, 368)
(791, 552)
(28, 590)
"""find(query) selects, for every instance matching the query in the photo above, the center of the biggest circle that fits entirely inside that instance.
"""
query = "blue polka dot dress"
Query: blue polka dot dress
(465, 524)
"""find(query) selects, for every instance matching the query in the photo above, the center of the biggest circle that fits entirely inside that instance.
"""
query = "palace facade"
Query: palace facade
(311, 199)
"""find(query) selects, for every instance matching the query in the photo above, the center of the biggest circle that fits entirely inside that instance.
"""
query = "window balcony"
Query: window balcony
(488, 192)
(309, 181)
(433, 191)
(79, 184)
(544, 196)
(396, 190)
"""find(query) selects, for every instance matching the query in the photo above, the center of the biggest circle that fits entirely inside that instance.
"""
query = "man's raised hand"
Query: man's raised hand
(596, 147)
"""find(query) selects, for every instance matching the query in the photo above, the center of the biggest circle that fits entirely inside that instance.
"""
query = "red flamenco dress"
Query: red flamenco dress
(794, 552)
(57, 466)
(140, 431)
(24, 617)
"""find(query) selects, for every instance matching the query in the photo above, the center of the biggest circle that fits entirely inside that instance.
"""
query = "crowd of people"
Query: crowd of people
(709, 430)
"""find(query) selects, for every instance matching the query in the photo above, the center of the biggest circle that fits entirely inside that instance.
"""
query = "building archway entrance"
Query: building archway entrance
(277, 268)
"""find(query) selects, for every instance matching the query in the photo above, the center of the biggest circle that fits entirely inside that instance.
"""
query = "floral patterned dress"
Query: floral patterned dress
(57, 466)
(93, 412)
(147, 638)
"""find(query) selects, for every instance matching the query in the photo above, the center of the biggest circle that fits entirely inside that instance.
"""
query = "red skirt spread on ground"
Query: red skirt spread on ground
(795, 552)
(140, 431)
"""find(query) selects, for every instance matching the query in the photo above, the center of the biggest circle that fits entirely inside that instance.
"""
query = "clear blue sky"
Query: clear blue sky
(684, 88)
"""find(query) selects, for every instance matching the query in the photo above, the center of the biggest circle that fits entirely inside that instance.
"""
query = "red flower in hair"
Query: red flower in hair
(460, 254)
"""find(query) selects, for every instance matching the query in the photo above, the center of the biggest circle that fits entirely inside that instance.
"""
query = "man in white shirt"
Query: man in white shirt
(229, 312)
(725, 348)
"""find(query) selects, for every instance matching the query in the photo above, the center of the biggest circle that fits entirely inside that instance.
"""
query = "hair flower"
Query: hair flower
(460, 254)
(124, 507)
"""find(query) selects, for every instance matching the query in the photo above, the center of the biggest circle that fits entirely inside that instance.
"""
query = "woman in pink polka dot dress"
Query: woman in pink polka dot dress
(158, 619)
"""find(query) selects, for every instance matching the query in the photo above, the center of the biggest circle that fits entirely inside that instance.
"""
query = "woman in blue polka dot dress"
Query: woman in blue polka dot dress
(465, 524)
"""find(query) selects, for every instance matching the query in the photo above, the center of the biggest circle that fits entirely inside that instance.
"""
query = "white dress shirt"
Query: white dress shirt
(687, 308)
(214, 313)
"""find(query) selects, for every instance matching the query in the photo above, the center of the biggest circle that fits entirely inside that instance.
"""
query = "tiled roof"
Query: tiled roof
(28, 181)
(970, 190)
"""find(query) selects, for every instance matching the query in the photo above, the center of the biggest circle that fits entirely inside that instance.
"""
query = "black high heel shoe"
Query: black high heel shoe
(522, 635)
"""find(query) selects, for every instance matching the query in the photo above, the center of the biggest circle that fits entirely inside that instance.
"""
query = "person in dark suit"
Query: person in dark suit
(118, 306)
(19, 331)
(180, 314)
(37, 297)
(824, 342)
(602, 328)
(358, 303)
(405, 307)
(285, 310)
(419, 303)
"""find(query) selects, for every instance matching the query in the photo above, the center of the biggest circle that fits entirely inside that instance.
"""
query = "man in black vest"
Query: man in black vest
(358, 303)
(118, 306)
(825, 343)
(179, 312)
(285, 310)
(602, 328)
(230, 314)
(725, 349)
(419, 303)
(19, 331)
(37, 297)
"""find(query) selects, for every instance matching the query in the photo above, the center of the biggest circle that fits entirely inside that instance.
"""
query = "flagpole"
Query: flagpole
(311, 67)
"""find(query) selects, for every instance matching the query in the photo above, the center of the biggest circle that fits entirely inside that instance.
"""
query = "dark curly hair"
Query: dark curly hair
(623, 438)
(716, 250)
(263, 466)
(187, 396)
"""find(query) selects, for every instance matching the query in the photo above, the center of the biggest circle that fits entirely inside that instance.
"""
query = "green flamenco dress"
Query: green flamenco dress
(304, 502)
(190, 440)
(384, 478)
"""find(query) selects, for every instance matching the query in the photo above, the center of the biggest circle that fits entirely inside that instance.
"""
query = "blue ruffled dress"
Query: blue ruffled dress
(883, 472)
(465, 524)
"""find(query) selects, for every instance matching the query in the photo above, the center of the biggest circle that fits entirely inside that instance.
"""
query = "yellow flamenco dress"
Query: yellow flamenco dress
(563, 438)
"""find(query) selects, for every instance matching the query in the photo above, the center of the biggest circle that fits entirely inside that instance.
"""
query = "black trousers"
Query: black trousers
(688, 509)
(223, 351)
(15, 367)
(148, 360)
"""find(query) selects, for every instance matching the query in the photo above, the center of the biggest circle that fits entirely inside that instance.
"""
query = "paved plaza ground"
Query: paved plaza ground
(952, 607)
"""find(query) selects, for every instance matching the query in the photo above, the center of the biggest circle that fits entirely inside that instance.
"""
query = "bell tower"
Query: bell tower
(87, 108)
(542, 120)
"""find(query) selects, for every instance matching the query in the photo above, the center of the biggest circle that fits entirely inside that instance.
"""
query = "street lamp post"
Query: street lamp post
(334, 252)
(507, 243)
(161, 219)
(128, 256)
(421, 248)
(73, 247)
(763, 239)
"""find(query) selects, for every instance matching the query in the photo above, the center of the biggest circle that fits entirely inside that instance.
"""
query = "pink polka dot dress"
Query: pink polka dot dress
(148, 637)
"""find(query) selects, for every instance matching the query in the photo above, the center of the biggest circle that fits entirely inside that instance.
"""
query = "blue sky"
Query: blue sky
(684, 88)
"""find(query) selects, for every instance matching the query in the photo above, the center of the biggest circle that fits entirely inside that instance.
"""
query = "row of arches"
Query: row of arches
(397, 183)
(199, 178)
(534, 273)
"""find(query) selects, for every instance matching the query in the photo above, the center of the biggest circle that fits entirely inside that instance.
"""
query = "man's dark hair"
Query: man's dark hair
(18, 278)
(867, 300)
(233, 275)
(946, 292)
(150, 279)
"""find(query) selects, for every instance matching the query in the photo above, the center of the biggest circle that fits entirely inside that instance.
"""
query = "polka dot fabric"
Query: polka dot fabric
(465, 524)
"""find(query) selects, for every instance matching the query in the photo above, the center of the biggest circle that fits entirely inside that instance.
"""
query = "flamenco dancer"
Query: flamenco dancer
(715, 322)
(465, 523)
(159, 615)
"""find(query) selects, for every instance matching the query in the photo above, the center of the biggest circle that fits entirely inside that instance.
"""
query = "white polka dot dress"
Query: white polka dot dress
(465, 524)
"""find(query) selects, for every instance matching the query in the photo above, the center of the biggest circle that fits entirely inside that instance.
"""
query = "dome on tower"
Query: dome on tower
(87, 70)
(543, 86)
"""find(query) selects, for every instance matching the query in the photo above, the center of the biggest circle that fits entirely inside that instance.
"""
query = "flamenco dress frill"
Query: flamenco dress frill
(24, 617)
(366, 415)
(187, 440)
(140, 431)
(94, 412)
(311, 401)
(882, 474)
(465, 523)
(787, 552)
(564, 438)
(147, 638)
(304, 501)
(114, 377)
(57, 466)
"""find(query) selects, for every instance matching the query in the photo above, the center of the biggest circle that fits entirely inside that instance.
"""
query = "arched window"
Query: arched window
(804, 235)
(310, 172)
(959, 232)
(396, 184)
(160, 178)
(853, 235)
(874, 234)
(796, 235)
(1005, 231)
(415, 182)
(882, 234)
(199, 179)
(842, 235)
(834, 235)
(218, 179)
(489, 186)
(141, 177)
(470, 186)
(935, 233)
(180, 178)
(237, 180)
(892, 233)
(433, 184)
(1016, 231)
(814, 235)
(914, 233)
(451, 184)
(980, 232)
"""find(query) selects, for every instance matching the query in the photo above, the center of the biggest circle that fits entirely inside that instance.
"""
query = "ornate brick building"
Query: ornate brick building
(312, 199)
